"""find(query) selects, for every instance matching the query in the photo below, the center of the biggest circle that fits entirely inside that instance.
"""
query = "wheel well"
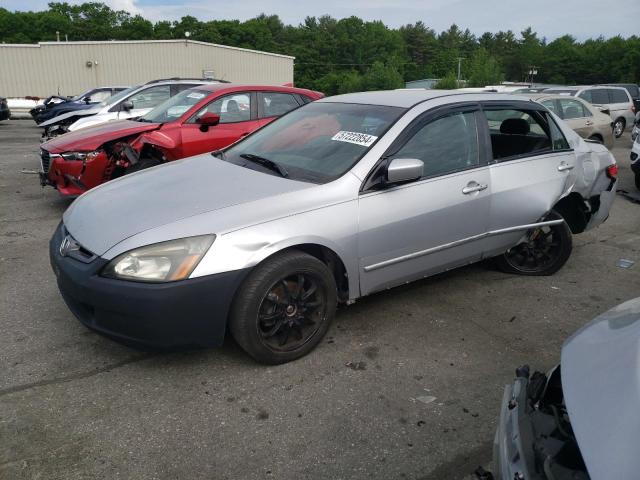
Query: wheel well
(332, 260)
(598, 136)
(574, 211)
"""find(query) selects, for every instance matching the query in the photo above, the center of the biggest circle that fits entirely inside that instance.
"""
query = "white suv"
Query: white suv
(616, 100)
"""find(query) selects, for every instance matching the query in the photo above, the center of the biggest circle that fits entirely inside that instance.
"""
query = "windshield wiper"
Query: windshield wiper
(219, 154)
(265, 162)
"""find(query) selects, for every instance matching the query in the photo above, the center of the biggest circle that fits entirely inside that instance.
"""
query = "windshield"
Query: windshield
(118, 96)
(176, 106)
(318, 142)
(81, 96)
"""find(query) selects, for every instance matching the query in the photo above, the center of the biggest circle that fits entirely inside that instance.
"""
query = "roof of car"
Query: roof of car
(214, 87)
(407, 98)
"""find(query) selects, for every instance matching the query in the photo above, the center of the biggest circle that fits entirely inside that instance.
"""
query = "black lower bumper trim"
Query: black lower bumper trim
(186, 313)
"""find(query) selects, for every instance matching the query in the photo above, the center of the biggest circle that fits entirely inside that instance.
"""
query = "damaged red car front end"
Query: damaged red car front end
(78, 161)
(195, 121)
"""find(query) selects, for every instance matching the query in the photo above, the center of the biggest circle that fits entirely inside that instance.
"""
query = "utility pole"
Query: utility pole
(459, 65)
(57, 36)
(533, 71)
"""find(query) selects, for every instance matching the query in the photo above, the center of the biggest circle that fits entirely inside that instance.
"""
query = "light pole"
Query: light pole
(459, 65)
(533, 71)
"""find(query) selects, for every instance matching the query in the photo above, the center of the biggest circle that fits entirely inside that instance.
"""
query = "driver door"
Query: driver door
(238, 118)
(432, 224)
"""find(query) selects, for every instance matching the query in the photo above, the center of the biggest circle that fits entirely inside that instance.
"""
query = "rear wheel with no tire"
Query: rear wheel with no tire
(284, 307)
(544, 252)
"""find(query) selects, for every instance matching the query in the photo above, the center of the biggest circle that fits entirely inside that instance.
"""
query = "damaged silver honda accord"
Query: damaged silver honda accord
(580, 421)
(340, 198)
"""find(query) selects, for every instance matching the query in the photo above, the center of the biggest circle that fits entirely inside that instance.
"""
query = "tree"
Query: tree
(448, 82)
(483, 70)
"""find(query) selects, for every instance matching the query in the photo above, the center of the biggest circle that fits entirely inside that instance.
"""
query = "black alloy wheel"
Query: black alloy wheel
(284, 307)
(544, 252)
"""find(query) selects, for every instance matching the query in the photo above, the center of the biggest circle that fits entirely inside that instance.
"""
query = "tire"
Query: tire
(618, 127)
(545, 254)
(272, 319)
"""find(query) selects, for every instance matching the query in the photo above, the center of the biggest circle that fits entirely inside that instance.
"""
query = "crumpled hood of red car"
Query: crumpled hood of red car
(91, 138)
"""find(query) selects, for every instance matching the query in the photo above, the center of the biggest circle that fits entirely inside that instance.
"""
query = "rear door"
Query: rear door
(272, 105)
(238, 118)
(532, 168)
(437, 222)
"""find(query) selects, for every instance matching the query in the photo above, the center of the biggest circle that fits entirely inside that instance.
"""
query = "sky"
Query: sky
(550, 18)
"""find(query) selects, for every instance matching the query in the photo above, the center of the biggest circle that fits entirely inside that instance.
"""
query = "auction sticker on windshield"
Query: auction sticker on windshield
(354, 137)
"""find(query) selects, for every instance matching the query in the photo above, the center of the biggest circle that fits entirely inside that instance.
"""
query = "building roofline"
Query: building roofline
(109, 42)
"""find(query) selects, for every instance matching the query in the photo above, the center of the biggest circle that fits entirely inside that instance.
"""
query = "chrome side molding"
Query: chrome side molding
(445, 246)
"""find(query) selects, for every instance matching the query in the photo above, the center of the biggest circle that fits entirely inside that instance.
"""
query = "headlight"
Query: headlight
(80, 155)
(161, 262)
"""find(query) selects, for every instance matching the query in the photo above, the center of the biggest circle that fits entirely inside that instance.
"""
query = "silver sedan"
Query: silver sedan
(336, 200)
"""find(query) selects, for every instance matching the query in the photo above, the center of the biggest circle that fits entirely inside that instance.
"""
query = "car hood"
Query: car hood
(121, 208)
(91, 138)
(601, 385)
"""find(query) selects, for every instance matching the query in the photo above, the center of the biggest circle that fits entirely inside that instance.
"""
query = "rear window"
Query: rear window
(561, 91)
(618, 96)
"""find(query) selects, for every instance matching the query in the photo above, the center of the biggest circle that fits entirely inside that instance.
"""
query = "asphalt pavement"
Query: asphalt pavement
(406, 385)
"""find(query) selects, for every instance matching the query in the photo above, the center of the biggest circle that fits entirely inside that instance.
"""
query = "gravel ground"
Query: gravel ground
(406, 385)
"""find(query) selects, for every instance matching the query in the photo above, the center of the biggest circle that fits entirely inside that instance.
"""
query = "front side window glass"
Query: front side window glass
(231, 108)
(445, 145)
(516, 133)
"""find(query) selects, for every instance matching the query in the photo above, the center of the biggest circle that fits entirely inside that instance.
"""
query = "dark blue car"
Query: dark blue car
(56, 105)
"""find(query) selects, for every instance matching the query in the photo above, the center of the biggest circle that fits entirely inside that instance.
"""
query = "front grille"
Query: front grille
(46, 160)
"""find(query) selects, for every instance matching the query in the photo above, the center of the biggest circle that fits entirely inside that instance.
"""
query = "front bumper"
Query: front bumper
(186, 313)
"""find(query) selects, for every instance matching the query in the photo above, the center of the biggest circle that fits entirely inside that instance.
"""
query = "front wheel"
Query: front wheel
(284, 307)
(618, 127)
(544, 252)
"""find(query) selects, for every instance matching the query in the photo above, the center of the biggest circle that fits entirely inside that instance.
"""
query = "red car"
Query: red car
(198, 120)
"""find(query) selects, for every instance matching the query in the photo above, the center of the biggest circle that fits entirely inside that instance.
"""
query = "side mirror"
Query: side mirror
(404, 169)
(208, 120)
(126, 106)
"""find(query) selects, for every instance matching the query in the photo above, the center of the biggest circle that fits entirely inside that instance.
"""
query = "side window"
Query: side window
(277, 104)
(230, 108)
(571, 109)
(445, 145)
(599, 96)
(618, 96)
(150, 97)
(516, 133)
(557, 138)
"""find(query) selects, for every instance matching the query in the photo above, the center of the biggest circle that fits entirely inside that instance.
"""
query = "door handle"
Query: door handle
(564, 166)
(473, 187)
(588, 123)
